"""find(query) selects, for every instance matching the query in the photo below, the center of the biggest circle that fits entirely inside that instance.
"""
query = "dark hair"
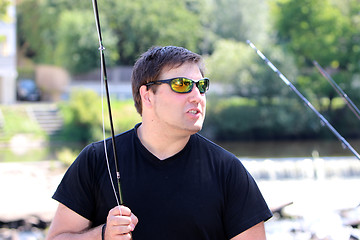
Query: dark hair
(150, 64)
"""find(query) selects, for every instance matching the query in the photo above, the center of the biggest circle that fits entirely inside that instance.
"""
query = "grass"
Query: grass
(15, 120)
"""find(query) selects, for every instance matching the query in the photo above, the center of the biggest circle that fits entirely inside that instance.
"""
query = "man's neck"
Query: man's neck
(160, 143)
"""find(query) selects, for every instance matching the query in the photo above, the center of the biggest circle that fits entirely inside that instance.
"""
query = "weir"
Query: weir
(302, 168)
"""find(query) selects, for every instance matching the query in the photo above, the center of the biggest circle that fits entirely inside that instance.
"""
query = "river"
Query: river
(285, 149)
(21, 149)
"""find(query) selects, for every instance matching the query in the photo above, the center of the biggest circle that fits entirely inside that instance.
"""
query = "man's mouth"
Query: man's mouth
(193, 111)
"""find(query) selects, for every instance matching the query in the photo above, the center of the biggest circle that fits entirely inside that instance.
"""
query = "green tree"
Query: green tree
(140, 25)
(240, 70)
(328, 32)
(83, 120)
(3, 8)
(130, 27)
(257, 104)
(82, 117)
(324, 32)
(311, 30)
(351, 39)
(37, 26)
(3, 15)
(77, 42)
(240, 20)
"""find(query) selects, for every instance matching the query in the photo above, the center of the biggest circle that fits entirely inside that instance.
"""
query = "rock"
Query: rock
(26, 190)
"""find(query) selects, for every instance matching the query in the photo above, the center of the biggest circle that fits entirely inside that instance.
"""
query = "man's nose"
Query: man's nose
(195, 94)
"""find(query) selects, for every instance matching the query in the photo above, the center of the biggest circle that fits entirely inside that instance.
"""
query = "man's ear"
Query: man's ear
(145, 96)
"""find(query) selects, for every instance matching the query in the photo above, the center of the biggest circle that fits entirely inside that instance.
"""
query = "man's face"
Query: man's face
(181, 112)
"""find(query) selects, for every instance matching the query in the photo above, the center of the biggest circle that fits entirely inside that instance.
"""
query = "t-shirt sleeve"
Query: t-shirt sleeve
(76, 188)
(245, 205)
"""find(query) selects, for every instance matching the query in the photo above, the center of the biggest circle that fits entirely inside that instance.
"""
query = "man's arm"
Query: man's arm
(67, 224)
(256, 232)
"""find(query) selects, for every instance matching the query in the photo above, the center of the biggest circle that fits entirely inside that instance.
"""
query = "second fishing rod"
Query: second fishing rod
(336, 87)
(307, 103)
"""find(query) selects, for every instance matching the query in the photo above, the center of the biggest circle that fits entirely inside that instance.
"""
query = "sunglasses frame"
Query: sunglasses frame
(169, 81)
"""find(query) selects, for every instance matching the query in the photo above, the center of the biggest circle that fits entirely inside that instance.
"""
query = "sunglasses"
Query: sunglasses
(184, 85)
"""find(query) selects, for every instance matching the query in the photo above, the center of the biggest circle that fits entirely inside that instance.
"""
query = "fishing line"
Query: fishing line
(348, 101)
(307, 103)
(105, 148)
(104, 83)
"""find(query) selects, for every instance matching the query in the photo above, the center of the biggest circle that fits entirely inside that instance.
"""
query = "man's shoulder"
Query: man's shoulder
(208, 145)
(121, 137)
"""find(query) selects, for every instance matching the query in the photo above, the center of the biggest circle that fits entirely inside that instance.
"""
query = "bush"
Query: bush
(83, 117)
(66, 156)
(245, 119)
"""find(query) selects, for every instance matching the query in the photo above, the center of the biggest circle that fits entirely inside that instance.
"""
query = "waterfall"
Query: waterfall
(302, 168)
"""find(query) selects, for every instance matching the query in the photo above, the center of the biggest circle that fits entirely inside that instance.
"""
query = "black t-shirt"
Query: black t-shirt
(202, 192)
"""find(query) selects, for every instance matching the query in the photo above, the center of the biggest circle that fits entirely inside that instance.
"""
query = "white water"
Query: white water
(324, 192)
(321, 207)
(302, 168)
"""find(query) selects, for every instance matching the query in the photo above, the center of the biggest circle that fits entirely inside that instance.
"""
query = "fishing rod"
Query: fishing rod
(348, 101)
(292, 87)
(104, 81)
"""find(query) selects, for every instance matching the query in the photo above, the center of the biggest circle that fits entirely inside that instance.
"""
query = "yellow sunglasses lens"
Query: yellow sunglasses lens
(181, 85)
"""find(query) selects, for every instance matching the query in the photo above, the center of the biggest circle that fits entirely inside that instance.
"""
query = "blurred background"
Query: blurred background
(50, 99)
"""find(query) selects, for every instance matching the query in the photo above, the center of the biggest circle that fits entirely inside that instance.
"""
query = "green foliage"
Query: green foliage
(69, 28)
(244, 74)
(311, 29)
(351, 39)
(140, 25)
(66, 156)
(58, 32)
(3, 15)
(328, 32)
(291, 34)
(36, 22)
(83, 117)
(235, 20)
(77, 47)
(228, 60)
(124, 115)
(243, 119)
(3, 8)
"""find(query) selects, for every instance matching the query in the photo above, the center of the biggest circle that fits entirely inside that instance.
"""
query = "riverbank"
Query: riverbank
(319, 209)
(26, 189)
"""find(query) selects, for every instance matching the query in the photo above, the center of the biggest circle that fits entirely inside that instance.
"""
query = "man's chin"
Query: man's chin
(192, 128)
(196, 128)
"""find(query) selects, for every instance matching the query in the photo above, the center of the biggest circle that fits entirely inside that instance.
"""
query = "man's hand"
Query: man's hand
(120, 223)
(67, 224)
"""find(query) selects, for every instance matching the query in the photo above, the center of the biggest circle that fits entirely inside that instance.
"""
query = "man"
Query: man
(177, 183)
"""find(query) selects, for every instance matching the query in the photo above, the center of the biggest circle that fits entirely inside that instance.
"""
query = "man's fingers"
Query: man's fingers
(134, 221)
(120, 223)
(121, 236)
(116, 230)
(120, 211)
